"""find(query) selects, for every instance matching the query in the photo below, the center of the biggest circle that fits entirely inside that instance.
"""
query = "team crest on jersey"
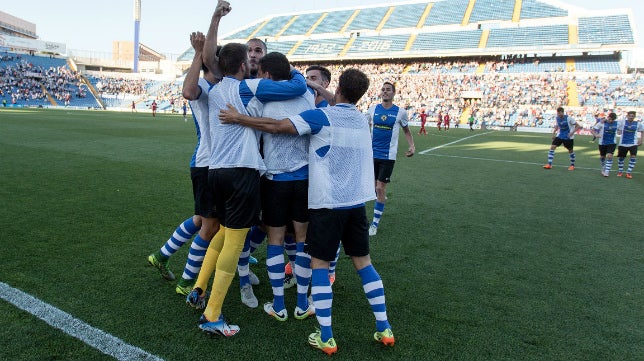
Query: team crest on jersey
(383, 117)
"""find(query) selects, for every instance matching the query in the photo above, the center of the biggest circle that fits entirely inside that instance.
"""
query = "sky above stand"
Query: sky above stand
(165, 25)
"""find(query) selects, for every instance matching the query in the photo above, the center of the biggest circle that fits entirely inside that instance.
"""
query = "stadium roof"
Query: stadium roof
(447, 28)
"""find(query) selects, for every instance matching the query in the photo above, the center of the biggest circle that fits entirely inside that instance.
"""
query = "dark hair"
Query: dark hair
(204, 67)
(612, 116)
(631, 112)
(352, 84)
(277, 65)
(259, 41)
(560, 109)
(393, 87)
(231, 57)
(323, 71)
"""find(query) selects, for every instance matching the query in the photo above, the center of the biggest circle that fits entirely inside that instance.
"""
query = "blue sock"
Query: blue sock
(378, 209)
(290, 247)
(195, 258)
(375, 292)
(551, 156)
(303, 276)
(322, 300)
(631, 165)
(333, 263)
(275, 265)
(181, 235)
(242, 264)
(256, 237)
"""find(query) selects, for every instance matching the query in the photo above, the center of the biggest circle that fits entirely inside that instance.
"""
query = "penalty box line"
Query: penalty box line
(98, 339)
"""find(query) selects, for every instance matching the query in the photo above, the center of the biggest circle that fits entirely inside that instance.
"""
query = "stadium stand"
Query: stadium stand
(533, 9)
(405, 16)
(333, 22)
(435, 51)
(447, 40)
(447, 12)
(367, 19)
(613, 29)
(485, 10)
(528, 36)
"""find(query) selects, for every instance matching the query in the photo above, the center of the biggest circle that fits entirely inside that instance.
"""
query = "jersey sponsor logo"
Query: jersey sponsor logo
(383, 127)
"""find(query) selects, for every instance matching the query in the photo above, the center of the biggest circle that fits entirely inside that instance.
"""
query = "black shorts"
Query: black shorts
(567, 143)
(202, 192)
(622, 151)
(284, 201)
(328, 226)
(236, 193)
(383, 168)
(606, 149)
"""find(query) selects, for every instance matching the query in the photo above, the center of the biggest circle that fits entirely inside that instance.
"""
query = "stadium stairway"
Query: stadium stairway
(93, 90)
(573, 94)
(51, 99)
(481, 68)
(468, 13)
(463, 119)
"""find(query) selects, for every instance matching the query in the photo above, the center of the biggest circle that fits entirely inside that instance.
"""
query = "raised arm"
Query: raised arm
(210, 47)
(267, 125)
(191, 90)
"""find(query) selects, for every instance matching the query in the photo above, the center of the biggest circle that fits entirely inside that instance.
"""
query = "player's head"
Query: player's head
(274, 66)
(318, 74)
(204, 67)
(560, 111)
(611, 117)
(207, 74)
(352, 84)
(631, 115)
(388, 91)
(256, 51)
(233, 58)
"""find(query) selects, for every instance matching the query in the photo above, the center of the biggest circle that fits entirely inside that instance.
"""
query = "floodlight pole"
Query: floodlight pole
(137, 22)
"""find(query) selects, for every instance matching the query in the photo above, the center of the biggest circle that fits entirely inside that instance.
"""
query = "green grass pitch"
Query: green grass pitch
(484, 254)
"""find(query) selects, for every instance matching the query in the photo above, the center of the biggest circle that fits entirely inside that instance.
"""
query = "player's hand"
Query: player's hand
(228, 116)
(223, 8)
(197, 40)
(410, 152)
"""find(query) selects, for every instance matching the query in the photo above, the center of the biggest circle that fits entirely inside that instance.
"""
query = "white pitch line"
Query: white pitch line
(454, 142)
(74, 327)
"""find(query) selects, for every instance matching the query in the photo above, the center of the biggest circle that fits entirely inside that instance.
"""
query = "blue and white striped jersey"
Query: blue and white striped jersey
(607, 132)
(386, 124)
(199, 109)
(628, 131)
(565, 124)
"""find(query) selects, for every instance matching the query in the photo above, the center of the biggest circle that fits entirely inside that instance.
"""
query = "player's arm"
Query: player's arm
(327, 95)
(191, 89)
(410, 139)
(269, 90)
(267, 125)
(576, 126)
(210, 58)
(554, 131)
